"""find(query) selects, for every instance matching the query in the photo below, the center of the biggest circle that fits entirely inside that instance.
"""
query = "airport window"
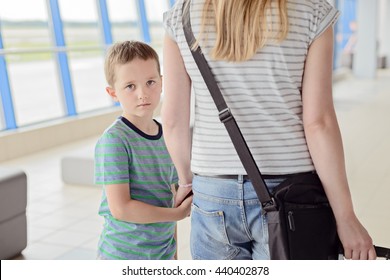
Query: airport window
(30, 65)
(84, 42)
(123, 16)
(34, 86)
(155, 18)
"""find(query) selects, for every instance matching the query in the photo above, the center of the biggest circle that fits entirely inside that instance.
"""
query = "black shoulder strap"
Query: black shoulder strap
(225, 114)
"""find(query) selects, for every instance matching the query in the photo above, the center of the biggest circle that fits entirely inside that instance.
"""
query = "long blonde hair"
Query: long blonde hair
(242, 26)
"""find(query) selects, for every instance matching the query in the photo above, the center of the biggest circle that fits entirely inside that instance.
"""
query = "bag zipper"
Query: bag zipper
(291, 223)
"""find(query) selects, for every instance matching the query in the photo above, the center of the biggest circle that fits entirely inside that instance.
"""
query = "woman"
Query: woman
(273, 63)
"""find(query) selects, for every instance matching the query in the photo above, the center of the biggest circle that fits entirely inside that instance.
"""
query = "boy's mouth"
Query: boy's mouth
(143, 104)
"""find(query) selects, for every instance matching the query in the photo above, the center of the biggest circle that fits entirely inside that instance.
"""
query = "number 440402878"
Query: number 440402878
(256, 270)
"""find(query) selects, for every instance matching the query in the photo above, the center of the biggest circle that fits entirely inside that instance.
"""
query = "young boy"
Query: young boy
(133, 164)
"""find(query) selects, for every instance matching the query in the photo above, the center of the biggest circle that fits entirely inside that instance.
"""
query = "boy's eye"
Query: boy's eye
(131, 86)
(150, 82)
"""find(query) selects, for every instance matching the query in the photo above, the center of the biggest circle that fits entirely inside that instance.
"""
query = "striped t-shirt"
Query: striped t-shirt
(126, 155)
(263, 93)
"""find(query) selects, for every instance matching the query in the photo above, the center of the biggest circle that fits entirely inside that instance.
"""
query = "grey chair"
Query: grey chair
(13, 220)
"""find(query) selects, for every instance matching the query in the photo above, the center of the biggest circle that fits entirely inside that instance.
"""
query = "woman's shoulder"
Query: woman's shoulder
(311, 5)
(172, 16)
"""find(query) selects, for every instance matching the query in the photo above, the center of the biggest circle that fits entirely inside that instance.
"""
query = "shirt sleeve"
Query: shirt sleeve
(111, 161)
(171, 19)
(324, 16)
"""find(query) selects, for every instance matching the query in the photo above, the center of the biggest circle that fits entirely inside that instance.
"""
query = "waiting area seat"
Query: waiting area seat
(77, 168)
(13, 220)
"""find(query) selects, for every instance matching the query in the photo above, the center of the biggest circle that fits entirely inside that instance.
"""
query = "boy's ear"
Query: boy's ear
(111, 92)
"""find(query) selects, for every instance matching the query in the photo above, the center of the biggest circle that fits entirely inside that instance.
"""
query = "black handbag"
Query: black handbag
(301, 224)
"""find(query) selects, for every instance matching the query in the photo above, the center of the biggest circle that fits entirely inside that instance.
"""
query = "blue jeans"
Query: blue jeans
(226, 220)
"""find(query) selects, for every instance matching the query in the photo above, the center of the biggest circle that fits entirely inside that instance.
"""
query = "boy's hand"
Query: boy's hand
(181, 193)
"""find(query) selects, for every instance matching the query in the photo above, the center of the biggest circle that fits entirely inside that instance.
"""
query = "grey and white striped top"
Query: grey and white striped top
(263, 93)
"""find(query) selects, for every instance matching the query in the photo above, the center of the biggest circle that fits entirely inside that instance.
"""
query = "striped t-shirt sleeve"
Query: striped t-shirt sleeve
(324, 15)
(168, 22)
(111, 161)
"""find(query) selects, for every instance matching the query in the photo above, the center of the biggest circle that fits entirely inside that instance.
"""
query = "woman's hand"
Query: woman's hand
(355, 239)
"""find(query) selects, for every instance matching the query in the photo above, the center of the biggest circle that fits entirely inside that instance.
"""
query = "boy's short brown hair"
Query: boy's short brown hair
(124, 52)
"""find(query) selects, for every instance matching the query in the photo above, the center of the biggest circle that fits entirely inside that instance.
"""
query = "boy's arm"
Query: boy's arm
(124, 208)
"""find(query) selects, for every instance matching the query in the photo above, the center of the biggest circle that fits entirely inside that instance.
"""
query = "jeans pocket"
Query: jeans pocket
(209, 240)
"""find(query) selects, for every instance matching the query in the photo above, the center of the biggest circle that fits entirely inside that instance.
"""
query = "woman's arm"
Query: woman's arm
(124, 208)
(326, 149)
(176, 114)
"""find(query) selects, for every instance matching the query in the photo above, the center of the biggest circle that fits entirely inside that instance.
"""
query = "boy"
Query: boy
(133, 164)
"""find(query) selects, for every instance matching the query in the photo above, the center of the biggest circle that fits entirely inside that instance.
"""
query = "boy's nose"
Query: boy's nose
(142, 94)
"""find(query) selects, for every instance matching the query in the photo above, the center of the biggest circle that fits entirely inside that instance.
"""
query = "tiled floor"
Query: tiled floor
(63, 221)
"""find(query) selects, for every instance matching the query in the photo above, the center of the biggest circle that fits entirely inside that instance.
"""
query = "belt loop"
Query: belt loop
(240, 179)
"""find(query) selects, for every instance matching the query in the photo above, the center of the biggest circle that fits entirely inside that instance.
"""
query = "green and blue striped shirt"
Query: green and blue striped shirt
(126, 155)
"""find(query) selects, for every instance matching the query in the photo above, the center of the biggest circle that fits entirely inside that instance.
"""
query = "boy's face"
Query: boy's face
(137, 87)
